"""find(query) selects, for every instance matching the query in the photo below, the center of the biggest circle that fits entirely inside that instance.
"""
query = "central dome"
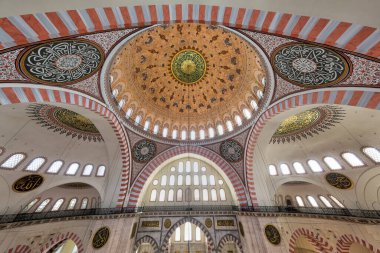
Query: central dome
(188, 66)
(187, 81)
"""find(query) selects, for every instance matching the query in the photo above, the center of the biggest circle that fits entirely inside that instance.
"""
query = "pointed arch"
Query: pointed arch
(56, 239)
(19, 249)
(345, 241)
(229, 238)
(146, 239)
(320, 244)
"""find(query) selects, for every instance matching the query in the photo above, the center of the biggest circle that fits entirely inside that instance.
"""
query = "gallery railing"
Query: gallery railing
(356, 213)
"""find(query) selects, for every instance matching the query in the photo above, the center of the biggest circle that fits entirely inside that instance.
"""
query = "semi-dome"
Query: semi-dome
(187, 82)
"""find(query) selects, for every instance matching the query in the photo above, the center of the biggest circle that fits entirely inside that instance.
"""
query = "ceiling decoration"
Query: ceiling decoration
(64, 121)
(307, 124)
(61, 62)
(272, 234)
(143, 151)
(309, 65)
(186, 77)
(339, 181)
(27, 183)
(231, 150)
(101, 237)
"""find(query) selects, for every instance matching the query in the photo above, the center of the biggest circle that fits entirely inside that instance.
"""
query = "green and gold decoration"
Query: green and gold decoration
(188, 66)
(64, 121)
(167, 223)
(100, 238)
(308, 123)
(208, 223)
(27, 183)
(339, 181)
(272, 234)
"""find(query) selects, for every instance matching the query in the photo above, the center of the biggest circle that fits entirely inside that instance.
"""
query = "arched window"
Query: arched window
(196, 180)
(212, 180)
(260, 94)
(87, 170)
(222, 194)
(352, 159)
(180, 180)
(204, 180)
(188, 232)
(155, 129)
(153, 195)
(229, 125)
(13, 161)
(165, 132)
(220, 129)
(179, 195)
(163, 180)
(314, 166)
(129, 112)
(332, 163)
(42, 206)
(197, 234)
(84, 203)
(72, 204)
(299, 201)
(188, 180)
(196, 195)
(213, 195)
(263, 81)
(202, 134)
(162, 196)
(72, 169)
(192, 135)
(155, 182)
(178, 234)
(272, 170)
(195, 167)
(115, 92)
(188, 166)
(146, 125)
(121, 103)
(172, 180)
(312, 201)
(247, 114)
(183, 135)
(137, 120)
(372, 153)
(180, 167)
(171, 195)
(57, 205)
(36, 164)
(337, 201)
(205, 195)
(101, 171)
(254, 105)
(284, 169)
(325, 201)
(174, 134)
(211, 132)
(238, 120)
(30, 205)
(55, 167)
(299, 168)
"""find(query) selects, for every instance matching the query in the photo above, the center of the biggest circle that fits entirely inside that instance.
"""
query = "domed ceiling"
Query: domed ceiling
(187, 82)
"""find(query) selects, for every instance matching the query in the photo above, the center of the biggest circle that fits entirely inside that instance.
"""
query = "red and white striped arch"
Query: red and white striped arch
(139, 183)
(345, 242)
(24, 29)
(19, 249)
(320, 244)
(39, 94)
(367, 98)
(52, 242)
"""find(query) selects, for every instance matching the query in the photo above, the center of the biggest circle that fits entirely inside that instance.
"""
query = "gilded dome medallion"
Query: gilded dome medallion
(178, 81)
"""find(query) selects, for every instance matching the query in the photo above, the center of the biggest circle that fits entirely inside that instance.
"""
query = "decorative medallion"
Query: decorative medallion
(339, 181)
(310, 65)
(231, 150)
(272, 234)
(208, 223)
(308, 123)
(27, 183)
(241, 229)
(144, 151)
(101, 237)
(64, 121)
(167, 223)
(188, 66)
(61, 62)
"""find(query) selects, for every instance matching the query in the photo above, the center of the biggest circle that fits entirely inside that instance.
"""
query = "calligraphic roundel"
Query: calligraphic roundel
(27, 183)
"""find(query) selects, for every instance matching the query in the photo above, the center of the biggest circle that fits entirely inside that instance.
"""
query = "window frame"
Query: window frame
(92, 170)
(59, 208)
(354, 167)
(32, 206)
(328, 166)
(97, 169)
(41, 166)
(55, 173)
(50, 201)
(68, 204)
(307, 162)
(19, 163)
(367, 156)
(327, 199)
(76, 172)
(81, 203)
